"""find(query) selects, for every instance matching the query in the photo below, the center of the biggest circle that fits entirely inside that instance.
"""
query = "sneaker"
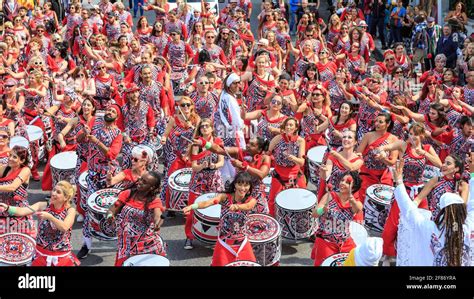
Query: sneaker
(80, 218)
(188, 245)
(83, 253)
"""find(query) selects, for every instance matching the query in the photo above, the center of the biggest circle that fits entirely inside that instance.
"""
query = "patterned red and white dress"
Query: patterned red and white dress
(135, 229)
(444, 185)
(206, 105)
(53, 247)
(265, 123)
(232, 244)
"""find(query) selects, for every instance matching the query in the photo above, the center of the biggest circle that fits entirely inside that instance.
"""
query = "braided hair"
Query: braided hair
(450, 221)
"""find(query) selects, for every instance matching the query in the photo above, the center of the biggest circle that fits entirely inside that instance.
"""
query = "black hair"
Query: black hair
(4, 104)
(466, 120)
(388, 119)
(204, 56)
(356, 180)
(284, 76)
(150, 194)
(262, 143)
(351, 115)
(241, 177)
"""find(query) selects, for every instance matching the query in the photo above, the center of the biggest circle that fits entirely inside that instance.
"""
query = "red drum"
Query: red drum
(98, 205)
(242, 264)
(294, 213)
(178, 183)
(335, 260)
(63, 167)
(206, 221)
(264, 234)
(376, 208)
(16, 249)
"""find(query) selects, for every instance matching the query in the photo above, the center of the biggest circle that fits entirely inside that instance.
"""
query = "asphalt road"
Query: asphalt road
(294, 253)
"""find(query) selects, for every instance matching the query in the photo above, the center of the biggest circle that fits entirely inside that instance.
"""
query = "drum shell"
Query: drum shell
(298, 223)
(315, 160)
(267, 251)
(205, 227)
(430, 172)
(178, 193)
(67, 173)
(83, 188)
(243, 264)
(35, 135)
(376, 211)
(100, 228)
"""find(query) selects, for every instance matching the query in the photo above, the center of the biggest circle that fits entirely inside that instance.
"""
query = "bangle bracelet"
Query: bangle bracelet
(320, 211)
(195, 206)
(11, 210)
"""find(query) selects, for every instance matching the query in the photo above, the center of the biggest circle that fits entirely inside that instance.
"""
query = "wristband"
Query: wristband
(208, 145)
(11, 210)
(109, 216)
(195, 206)
(320, 211)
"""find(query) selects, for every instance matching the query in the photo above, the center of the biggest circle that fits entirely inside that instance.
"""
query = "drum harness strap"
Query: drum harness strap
(230, 249)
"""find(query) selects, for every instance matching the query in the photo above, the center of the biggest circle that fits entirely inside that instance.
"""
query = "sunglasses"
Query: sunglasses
(136, 160)
(185, 105)
(322, 52)
(206, 126)
(275, 102)
(210, 36)
(375, 81)
(4, 136)
(38, 63)
(203, 83)
(317, 94)
(389, 59)
(17, 20)
(225, 33)
(102, 68)
(172, 34)
(39, 30)
(432, 84)
(8, 86)
(399, 72)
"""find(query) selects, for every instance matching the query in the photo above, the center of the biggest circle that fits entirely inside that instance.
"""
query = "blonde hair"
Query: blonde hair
(68, 190)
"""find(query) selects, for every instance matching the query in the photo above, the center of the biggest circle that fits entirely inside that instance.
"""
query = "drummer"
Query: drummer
(14, 180)
(335, 211)
(5, 122)
(138, 211)
(206, 175)
(104, 142)
(232, 245)
(53, 243)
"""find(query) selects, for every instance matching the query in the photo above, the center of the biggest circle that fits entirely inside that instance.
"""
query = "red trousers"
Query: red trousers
(323, 249)
(189, 218)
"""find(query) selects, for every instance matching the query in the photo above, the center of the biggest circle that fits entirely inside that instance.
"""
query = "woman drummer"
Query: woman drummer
(206, 175)
(142, 158)
(139, 217)
(415, 155)
(232, 244)
(288, 151)
(53, 243)
(335, 211)
(14, 179)
(176, 139)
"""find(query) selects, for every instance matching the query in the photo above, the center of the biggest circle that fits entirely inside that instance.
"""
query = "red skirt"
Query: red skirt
(48, 258)
(225, 254)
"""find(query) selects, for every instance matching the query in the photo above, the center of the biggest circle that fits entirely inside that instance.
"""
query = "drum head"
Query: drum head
(64, 160)
(213, 211)
(147, 260)
(34, 132)
(82, 179)
(261, 228)
(180, 179)
(381, 193)
(335, 260)
(295, 199)
(16, 249)
(101, 200)
(358, 233)
(268, 179)
(144, 146)
(316, 153)
(20, 141)
(243, 264)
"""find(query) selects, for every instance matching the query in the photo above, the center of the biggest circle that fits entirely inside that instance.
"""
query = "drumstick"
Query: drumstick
(34, 119)
(227, 153)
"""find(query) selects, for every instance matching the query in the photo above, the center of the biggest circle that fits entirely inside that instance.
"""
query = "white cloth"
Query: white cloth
(429, 245)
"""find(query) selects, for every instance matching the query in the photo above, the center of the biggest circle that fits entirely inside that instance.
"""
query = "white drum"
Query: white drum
(315, 160)
(147, 260)
(294, 213)
(376, 208)
(20, 141)
(206, 221)
(35, 135)
(63, 167)
(83, 190)
(243, 264)
(267, 181)
(178, 183)
(98, 205)
(335, 260)
(431, 172)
